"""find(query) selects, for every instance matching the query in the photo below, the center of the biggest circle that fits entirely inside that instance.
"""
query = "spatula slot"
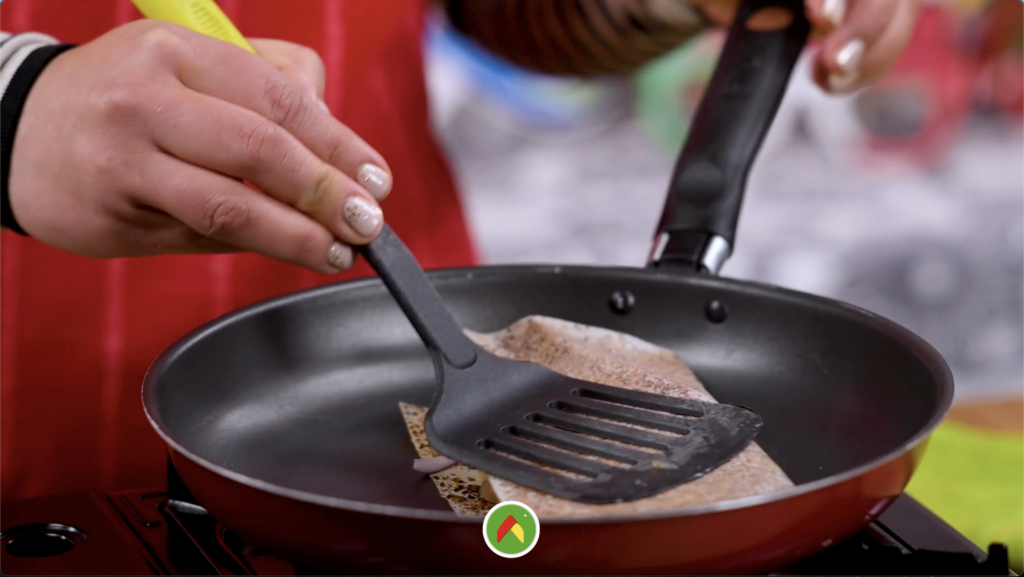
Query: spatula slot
(671, 436)
(546, 456)
(562, 476)
(604, 430)
(641, 417)
(640, 399)
(576, 443)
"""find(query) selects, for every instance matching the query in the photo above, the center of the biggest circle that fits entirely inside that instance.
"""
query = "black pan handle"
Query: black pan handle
(698, 225)
(418, 298)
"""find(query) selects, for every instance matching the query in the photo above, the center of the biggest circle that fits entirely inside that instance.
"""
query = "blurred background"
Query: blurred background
(906, 199)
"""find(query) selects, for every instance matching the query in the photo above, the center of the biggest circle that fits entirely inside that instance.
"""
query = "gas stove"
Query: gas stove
(165, 532)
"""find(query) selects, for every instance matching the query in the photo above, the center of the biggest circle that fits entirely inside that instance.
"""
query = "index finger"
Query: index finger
(229, 73)
(842, 52)
(300, 64)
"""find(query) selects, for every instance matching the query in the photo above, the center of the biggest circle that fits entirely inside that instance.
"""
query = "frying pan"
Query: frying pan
(282, 418)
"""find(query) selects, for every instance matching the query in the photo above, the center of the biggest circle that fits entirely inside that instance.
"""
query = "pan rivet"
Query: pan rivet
(716, 311)
(622, 302)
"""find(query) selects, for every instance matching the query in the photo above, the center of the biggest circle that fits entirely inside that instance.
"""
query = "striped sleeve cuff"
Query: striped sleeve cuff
(22, 59)
(14, 49)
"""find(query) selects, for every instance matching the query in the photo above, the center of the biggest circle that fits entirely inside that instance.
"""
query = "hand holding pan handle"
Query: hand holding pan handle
(698, 224)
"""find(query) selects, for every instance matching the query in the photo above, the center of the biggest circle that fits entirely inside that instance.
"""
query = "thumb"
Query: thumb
(301, 65)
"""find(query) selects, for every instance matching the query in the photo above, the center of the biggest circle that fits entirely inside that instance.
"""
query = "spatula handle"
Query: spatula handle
(203, 16)
(420, 301)
(698, 224)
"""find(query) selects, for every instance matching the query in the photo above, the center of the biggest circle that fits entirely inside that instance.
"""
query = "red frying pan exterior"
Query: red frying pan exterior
(744, 540)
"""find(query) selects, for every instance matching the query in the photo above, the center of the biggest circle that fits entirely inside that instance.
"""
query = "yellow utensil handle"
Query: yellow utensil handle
(203, 16)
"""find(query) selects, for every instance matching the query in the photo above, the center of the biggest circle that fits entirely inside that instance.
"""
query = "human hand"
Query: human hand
(138, 143)
(861, 39)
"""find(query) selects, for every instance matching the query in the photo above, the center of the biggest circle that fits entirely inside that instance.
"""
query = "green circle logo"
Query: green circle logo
(511, 529)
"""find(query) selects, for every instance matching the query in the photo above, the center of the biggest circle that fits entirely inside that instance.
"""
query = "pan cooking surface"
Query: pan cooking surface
(335, 433)
(302, 392)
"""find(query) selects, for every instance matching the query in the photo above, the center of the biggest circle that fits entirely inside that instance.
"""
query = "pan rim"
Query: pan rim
(914, 343)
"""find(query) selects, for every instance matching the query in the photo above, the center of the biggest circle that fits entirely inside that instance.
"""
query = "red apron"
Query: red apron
(77, 335)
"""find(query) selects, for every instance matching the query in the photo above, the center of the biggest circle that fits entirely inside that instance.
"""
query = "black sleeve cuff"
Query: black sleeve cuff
(10, 113)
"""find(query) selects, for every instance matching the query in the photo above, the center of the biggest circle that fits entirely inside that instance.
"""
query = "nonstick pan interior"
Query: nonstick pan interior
(302, 392)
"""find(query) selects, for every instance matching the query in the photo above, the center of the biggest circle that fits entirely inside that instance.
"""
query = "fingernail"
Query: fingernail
(848, 59)
(842, 83)
(375, 180)
(363, 217)
(340, 256)
(834, 11)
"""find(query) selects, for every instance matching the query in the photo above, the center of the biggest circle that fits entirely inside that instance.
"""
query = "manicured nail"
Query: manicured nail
(363, 217)
(842, 83)
(375, 180)
(834, 11)
(340, 256)
(848, 59)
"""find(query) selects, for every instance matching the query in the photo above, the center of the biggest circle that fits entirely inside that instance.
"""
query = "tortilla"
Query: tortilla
(610, 358)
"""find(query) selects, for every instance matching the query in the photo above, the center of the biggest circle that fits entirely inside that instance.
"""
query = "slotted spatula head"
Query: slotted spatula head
(525, 423)
(579, 440)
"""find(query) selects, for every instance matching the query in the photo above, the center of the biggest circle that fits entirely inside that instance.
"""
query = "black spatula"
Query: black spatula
(523, 422)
